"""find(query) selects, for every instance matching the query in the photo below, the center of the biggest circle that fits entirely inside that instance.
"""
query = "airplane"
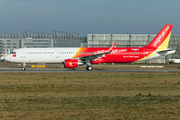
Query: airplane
(74, 57)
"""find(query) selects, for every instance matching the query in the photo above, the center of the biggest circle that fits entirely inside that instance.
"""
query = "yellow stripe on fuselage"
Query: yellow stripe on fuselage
(77, 52)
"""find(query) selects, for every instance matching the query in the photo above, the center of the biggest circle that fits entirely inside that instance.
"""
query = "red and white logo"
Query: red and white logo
(14, 55)
(158, 40)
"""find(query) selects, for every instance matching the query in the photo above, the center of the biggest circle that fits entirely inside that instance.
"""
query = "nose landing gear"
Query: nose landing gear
(23, 67)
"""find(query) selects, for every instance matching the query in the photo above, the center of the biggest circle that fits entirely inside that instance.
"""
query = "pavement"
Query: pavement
(84, 70)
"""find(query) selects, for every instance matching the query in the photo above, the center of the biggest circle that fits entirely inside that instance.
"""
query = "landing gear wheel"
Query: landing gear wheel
(89, 68)
(23, 68)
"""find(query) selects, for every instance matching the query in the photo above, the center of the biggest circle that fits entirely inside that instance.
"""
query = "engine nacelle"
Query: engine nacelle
(72, 63)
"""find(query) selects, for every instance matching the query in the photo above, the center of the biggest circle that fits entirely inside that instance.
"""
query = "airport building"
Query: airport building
(10, 41)
(134, 40)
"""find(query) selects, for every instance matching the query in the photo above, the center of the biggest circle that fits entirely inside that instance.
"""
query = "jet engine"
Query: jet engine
(72, 63)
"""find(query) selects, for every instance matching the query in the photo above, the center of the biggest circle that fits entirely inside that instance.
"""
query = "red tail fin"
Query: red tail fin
(161, 41)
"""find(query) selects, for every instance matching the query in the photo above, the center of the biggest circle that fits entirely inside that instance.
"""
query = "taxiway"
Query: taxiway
(83, 70)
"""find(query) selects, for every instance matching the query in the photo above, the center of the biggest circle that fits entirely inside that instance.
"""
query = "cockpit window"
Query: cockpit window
(13, 53)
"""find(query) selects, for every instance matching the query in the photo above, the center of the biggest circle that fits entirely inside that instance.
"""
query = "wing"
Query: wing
(96, 56)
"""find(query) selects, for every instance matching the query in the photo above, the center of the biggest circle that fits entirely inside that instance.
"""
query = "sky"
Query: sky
(90, 16)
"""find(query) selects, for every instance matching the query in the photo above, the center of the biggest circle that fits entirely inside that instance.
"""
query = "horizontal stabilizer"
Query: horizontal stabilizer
(166, 52)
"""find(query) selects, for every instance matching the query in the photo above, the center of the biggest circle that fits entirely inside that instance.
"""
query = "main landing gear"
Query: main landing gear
(23, 67)
(89, 67)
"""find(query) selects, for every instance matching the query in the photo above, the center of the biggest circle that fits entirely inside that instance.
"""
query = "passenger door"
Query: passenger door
(57, 54)
(23, 53)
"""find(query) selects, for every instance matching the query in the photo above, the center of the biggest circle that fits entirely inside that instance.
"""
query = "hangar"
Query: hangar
(10, 41)
(134, 40)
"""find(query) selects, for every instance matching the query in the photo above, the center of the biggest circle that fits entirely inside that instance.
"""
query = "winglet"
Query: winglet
(110, 49)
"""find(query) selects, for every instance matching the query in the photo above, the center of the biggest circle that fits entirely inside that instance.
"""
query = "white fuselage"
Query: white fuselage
(41, 55)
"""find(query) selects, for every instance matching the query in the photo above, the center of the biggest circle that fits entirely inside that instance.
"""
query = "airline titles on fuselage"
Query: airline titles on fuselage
(113, 51)
(130, 56)
(135, 49)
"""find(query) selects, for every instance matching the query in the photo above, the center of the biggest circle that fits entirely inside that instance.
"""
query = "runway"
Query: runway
(84, 70)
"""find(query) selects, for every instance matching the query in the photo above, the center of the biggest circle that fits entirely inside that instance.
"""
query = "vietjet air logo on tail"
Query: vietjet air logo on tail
(161, 41)
(160, 36)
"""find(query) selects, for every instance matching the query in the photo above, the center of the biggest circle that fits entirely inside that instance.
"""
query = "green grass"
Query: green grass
(89, 95)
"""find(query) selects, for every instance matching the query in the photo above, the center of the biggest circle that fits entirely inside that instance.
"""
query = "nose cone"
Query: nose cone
(10, 58)
(7, 57)
(2, 58)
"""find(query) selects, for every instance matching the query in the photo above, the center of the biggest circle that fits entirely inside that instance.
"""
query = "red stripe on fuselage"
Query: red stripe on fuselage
(118, 55)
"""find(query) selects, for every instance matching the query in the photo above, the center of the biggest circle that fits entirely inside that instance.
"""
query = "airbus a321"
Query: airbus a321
(74, 57)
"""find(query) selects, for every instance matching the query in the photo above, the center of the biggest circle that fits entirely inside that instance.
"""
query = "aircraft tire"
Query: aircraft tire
(89, 68)
(23, 68)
